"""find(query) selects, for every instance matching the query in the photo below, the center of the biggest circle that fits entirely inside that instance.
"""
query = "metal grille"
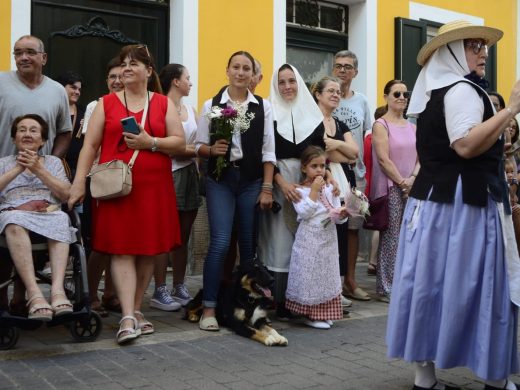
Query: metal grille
(323, 15)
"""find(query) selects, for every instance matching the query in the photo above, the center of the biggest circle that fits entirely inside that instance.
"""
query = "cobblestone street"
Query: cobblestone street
(351, 355)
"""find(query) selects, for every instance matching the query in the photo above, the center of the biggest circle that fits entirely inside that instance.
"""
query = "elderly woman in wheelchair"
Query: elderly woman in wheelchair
(32, 187)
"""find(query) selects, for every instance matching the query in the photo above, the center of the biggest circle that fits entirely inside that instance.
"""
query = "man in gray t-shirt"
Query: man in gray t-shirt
(354, 112)
(28, 91)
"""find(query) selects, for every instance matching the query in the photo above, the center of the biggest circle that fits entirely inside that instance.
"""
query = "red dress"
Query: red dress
(145, 222)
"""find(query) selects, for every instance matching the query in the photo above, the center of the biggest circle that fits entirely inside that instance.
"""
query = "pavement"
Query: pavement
(351, 355)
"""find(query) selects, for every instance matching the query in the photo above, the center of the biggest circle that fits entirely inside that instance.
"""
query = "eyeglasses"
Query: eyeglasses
(146, 48)
(397, 94)
(113, 77)
(343, 67)
(476, 46)
(28, 52)
(333, 91)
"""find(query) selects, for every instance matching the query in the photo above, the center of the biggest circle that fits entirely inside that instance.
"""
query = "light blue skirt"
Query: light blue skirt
(450, 299)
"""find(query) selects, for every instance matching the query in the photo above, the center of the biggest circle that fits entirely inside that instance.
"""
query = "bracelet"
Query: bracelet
(154, 145)
(508, 109)
(267, 186)
(413, 175)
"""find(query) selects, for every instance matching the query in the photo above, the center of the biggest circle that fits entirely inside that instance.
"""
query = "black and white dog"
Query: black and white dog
(242, 305)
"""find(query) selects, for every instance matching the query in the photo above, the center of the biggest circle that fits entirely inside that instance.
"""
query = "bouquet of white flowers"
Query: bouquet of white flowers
(226, 122)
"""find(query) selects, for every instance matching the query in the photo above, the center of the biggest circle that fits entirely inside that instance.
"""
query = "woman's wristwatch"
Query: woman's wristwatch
(154, 145)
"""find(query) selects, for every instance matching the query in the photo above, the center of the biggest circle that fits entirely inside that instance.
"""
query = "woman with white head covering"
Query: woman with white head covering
(296, 118)
(457, 281)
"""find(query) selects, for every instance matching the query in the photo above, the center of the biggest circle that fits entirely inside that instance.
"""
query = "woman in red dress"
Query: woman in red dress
(135, 228)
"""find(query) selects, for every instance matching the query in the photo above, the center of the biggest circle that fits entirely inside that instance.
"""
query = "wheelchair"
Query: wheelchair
(84, 324)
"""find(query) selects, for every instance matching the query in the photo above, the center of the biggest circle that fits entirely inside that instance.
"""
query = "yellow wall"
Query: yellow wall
(497, 13)
(5, 35)
(227, 26)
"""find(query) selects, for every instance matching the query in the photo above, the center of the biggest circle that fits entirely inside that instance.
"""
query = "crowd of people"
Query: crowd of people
(276, 173)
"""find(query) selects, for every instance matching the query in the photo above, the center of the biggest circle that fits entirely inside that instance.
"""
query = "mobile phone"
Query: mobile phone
(276, 207)
(130, 125)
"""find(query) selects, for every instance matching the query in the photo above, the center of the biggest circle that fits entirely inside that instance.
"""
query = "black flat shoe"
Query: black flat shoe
(446, 387)
(488, 387)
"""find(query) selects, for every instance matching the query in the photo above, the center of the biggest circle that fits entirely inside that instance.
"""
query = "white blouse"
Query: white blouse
(313, 212)
(203, 136)
(190, 133)
(463, 109)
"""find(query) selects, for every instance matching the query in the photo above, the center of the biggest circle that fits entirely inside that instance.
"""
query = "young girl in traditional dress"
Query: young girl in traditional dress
(314, 285)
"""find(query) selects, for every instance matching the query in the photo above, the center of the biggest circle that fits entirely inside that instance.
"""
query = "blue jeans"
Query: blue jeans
(224, 198)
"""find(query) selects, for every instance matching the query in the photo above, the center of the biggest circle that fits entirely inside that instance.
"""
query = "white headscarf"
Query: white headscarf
(441, 70)
(303, 113)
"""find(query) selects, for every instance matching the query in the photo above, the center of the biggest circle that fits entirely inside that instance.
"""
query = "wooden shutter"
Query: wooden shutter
(410, 36)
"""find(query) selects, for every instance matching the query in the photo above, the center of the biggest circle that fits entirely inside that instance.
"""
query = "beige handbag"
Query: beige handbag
(112, 179)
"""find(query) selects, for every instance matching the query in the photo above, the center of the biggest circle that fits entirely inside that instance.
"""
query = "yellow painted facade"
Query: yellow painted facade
(5, 35)
(498, 13)
(229, 26)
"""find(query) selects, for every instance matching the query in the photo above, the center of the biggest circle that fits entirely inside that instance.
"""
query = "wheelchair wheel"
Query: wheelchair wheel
(8, 337)
(88, 329)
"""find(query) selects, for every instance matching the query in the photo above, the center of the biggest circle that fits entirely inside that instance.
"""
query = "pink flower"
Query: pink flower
(229, 112)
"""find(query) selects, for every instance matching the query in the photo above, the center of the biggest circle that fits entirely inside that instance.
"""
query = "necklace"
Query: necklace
(149, 110)
(179, 109)
(330, 126)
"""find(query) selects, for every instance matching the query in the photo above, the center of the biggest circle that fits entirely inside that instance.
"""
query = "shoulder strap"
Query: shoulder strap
(143, 121)
(385, 125)
(132, 160)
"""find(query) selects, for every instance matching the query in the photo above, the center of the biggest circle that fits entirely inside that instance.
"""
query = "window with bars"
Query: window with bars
(316, 30)
(317, 14)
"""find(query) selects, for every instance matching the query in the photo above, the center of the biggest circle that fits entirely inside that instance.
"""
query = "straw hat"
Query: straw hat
(453, 31)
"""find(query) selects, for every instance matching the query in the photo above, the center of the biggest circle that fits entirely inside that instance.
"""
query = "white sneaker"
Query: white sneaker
(46, 272)
(329, 322)
(316, 324)
(345, 301)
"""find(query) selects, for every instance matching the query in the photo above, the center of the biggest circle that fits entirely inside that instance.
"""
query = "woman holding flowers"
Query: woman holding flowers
(235, 132)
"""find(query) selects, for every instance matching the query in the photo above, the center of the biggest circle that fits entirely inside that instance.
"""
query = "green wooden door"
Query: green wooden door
(83, 35)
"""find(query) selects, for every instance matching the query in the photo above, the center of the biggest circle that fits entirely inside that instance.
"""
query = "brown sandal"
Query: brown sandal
(99, 308)
(111, 304)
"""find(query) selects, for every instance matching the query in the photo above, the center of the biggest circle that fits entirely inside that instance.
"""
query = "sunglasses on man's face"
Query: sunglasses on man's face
(397, 94)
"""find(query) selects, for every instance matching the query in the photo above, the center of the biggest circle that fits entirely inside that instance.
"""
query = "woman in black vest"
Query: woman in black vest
(246, 179)
(457, 274)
